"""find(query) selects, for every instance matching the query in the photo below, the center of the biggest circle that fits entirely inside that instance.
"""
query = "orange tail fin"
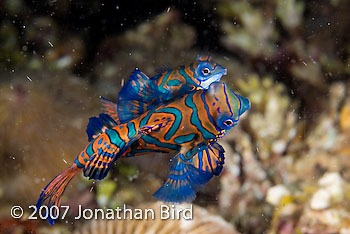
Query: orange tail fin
(55, 189)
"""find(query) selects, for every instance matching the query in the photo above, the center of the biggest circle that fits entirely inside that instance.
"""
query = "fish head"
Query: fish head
(225, 106)
(206, 71)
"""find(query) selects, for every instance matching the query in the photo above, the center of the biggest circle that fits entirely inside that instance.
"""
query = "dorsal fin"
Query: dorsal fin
(98, 125)
(202, 57)
(163, 69)
(136, 96)
(109, 108)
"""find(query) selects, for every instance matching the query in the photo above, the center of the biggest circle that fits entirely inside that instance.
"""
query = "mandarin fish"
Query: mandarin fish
(142, 93)
(188, 126)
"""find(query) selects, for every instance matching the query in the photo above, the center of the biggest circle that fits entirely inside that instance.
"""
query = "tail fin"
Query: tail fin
(55, 189)
(135, 97)
(184, 180)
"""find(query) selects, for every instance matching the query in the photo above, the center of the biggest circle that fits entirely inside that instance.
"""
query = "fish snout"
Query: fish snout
(221, 70)
(245, 104)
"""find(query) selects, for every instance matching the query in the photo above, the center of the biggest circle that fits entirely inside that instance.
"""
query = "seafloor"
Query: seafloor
(287, 163)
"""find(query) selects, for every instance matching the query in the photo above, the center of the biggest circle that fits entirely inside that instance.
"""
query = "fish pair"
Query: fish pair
(187, 119)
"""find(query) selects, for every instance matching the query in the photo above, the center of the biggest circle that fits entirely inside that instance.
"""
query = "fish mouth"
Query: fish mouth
(212, 79)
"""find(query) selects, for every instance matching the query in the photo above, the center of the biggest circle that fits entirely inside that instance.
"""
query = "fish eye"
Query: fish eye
(205, 71)
(228, 122)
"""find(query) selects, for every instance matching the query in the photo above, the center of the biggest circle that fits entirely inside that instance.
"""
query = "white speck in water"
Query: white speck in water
(304, 63)
(92, 188)
(313, 61)
(50, 43)
(64, 161)
(167, 10)
(29, 79)
(12, 157)
(117, 7)
(122, 82)
(257, 149)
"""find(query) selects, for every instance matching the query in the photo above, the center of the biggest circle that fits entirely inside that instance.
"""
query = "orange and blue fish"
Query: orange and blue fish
(189, 126)
(142, 93)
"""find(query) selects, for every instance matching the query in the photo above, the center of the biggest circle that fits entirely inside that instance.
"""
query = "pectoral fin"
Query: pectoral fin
(184, 180)
(187, 176)
(211, 159)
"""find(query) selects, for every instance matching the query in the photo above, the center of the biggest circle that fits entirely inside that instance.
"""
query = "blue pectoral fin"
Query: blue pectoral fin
(184, 180)
(135, 97)
(187, 176)
(98, 125)
(211, 159)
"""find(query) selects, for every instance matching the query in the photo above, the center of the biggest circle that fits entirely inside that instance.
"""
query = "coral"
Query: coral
(251, 31)
(320, 209)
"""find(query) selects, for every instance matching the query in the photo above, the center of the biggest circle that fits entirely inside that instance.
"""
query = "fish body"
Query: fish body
(189, 126)
(142, 93)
